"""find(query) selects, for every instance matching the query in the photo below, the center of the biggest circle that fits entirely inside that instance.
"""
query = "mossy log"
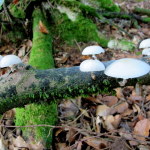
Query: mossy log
(142, 11)
(28, 85)
(127, 16)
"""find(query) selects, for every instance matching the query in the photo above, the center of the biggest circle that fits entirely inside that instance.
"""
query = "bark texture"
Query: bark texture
(28, 85)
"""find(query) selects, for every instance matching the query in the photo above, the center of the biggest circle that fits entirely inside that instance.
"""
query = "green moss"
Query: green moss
(15, 35)
(109, 5)
(41, 54)
(17, 12)
(35, 114)
(81, 30)
(121, 45)
(41, 58)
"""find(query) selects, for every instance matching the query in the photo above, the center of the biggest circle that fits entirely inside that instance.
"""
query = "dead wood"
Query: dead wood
(28, 85)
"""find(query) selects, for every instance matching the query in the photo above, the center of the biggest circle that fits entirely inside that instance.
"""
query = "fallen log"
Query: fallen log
(28, 85)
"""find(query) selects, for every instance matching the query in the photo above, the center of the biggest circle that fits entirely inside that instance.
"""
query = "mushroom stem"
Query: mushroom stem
(123, 82)
(94, 57)
(138, 89)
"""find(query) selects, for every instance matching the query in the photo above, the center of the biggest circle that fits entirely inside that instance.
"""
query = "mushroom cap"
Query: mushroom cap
(145, 43)
(91, 65)
(127, 68)
(92, 50)
(1, 57)
(146, 51)
(9, 60)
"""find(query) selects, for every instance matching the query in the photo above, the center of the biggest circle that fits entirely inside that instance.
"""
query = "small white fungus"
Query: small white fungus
(1, 57)
(145, 44)
(127, 68)
(91, 65)
(92, 50)
(146, 52)
(9, 60)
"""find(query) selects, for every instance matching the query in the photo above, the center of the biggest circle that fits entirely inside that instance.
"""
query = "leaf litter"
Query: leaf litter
(102, 121)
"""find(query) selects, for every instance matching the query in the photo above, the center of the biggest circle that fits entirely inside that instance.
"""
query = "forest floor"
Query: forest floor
(118, 121)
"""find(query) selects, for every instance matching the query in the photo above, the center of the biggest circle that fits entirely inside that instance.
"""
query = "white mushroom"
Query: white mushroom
(93, 50)
(91, 65)
(146, 52)
(145, 44)
(127, 68)
(1, 57)
(9, 61)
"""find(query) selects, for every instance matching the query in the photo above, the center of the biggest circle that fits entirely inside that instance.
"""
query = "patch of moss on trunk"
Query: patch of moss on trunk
(41, 58)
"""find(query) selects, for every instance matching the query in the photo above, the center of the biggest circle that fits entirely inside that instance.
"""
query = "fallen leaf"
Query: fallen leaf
(148, 97)
(71, 135)
(136, 108)
(120, 144)
(112, 122)
(136, 99)
(102, 110)
(20, 142)
(42, 27)
(119, 93)
(142, 128)
(96, 143)
(120, 108)
(109, 100)
(15, 1)
(128, 112)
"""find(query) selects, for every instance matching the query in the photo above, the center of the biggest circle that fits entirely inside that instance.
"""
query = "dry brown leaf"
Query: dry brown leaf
(144, 147)
(127, 91)
(112, 122)
(128, 112)
(102, 110)
(142, 128)
(21, 51)
(20, 142)
(62, 146)
(109, 100)
(135, 99)
(108, 122)
(35, 146)
(95, 142)
(119, 93)
(125, 134)
(133, 143)
(93, 99)
(79, 145)
(71, 135)
(68, 109)
(42, 27)
(120, 144)
(136, 108)
(148, 97)
(2, 146)
(120, 108)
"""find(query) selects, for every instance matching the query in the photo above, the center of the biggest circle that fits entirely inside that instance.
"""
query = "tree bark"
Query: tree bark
(28, 85)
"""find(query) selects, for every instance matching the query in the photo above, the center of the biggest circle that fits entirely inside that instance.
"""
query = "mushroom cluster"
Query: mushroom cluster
(145, 45)
(93, 64)
(124, 68)
(9, 61)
